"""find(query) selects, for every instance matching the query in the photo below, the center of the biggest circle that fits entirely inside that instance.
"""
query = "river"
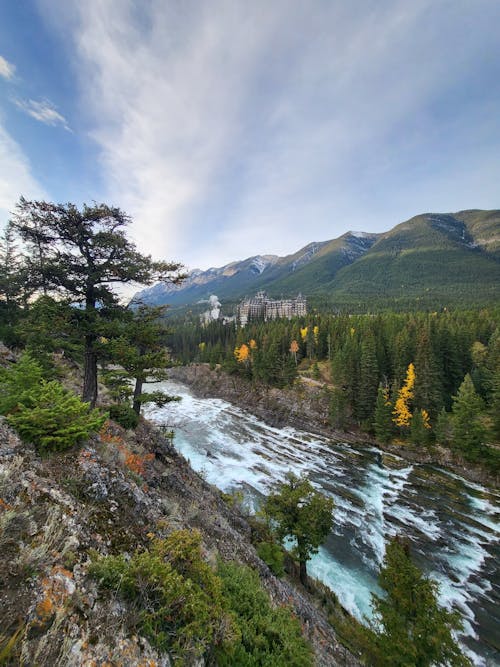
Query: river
(452, 524)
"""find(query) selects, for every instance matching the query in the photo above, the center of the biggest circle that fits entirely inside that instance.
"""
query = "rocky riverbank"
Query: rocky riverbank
(305, 406)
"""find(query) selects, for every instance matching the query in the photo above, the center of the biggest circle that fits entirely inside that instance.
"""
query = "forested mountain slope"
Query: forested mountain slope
(431, 260)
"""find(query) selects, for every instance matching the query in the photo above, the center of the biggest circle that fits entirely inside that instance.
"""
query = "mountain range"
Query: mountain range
(432, 260)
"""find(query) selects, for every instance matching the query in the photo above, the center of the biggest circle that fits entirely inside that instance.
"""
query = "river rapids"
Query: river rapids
(452, 524)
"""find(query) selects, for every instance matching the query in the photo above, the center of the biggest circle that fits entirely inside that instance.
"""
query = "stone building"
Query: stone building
(261, 307)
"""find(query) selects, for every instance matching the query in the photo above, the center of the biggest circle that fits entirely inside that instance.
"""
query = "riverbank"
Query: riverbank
(305, 406)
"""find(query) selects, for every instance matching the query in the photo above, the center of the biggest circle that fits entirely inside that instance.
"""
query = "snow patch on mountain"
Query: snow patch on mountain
(261, 262)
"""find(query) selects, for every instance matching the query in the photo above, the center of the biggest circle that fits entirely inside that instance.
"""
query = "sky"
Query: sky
(228, 129)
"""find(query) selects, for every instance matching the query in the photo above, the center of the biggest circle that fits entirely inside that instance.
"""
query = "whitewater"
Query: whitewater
(452, 524)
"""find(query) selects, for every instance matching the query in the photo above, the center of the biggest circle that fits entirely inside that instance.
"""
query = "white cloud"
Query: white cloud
(16, 178)
(43, 111)
(7, 69)
(232, 128)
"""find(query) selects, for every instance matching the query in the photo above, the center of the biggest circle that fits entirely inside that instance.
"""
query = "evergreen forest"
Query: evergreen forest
(420, 377)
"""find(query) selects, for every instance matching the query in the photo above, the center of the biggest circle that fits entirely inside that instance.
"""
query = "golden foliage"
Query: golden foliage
(303, 333)
(401, 412)
(242, 353)
(425, 418)
(294, 347)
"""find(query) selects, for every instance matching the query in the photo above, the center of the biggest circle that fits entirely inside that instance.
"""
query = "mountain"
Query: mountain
(431, 260)
(278, 275)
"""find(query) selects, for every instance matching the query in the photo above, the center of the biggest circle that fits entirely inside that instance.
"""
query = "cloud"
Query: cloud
(231, 128)
(7, 69)
(16, 178)
(43, 111)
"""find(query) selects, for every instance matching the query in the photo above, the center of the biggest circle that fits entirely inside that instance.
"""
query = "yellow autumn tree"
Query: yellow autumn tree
(425, 418)
(252, 344)
(401, 412)
(294, 348)
(242, 353)
(316, 334)
(303, 333)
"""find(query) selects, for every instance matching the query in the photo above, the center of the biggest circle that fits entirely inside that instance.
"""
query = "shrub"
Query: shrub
(52, 418)
(123, 414)
(269, 637)
(179, 597)
(272, 554)
(17, 380)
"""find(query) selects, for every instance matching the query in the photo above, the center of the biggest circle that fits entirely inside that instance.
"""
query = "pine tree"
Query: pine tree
(13, 293)
(420, 427)
(411, 629)
(495, 405)
(82, 254)
(368, 378)
(340, 412)
(53, 418)
(428, 388)
(140, 351)
(18, 380)
(443, 430)
(382, 423)
(469, 432)
(302, 513)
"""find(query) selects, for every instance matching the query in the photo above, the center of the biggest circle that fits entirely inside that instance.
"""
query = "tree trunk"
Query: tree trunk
(303, 572)
(90, 371)
(90, 358)
(136, 404)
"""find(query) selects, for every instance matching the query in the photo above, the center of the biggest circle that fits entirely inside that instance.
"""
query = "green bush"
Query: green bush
(269, 637)
(272, 554)
(123, 414)
(52, 418)
(18, 380)
(189, 611)
(178, 595)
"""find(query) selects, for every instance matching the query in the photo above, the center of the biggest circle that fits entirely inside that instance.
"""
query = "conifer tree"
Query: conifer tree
(428, 388)
(495, 406)
(13, 293)
(140, 351)
(469, 431)
(443, 430)
(81, 254)
(302, 513)
(382, 423)
(420, 427)
(415, 630)
(368, 377)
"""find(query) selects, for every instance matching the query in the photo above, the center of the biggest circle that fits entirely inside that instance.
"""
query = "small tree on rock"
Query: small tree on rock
(301, 513)
(140, 351)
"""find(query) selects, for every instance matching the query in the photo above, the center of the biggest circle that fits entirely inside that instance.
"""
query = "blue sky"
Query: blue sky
(228, 129)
